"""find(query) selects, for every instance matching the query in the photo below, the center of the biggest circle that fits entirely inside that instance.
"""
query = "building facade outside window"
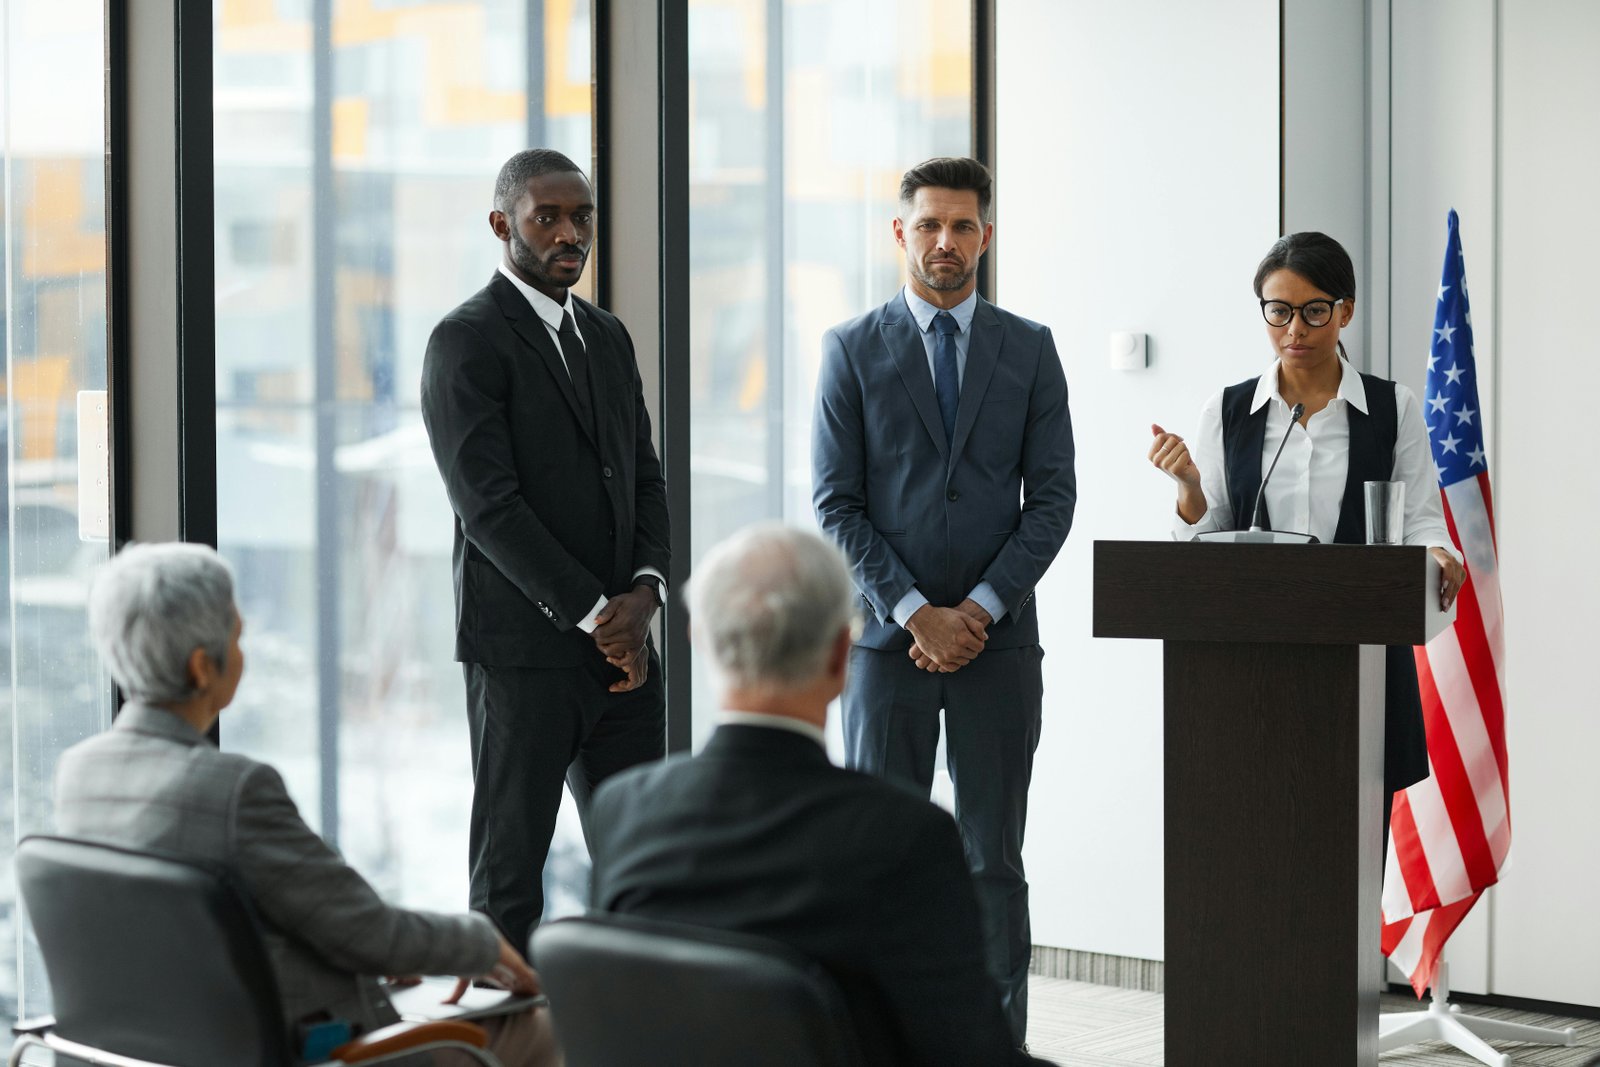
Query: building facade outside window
(357, 144)
(53, 692)
(804, 114)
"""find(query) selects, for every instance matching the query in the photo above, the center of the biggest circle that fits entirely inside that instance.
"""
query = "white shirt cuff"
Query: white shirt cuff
(909, 605)
(984, 596)
(587, 623)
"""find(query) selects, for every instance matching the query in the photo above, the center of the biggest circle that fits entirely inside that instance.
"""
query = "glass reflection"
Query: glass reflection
(803, 117)
(356, 148)
(52, 691)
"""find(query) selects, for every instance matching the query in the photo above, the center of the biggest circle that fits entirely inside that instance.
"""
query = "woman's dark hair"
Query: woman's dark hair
(1317, 258)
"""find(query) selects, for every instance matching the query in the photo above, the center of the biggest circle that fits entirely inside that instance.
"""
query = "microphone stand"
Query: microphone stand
(1258, 534)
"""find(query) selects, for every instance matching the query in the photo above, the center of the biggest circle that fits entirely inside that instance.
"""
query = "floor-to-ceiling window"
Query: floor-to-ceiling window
(804, 114)
(53, 260)
(357, 143)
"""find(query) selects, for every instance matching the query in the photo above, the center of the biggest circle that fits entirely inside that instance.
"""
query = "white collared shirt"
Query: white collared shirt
(1306, 492)
(729, 717)
(551, 313)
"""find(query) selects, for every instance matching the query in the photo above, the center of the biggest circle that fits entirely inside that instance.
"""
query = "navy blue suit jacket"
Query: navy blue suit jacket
(908, 510)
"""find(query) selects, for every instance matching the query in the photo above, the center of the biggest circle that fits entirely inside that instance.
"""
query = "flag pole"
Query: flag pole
(1444, 1022)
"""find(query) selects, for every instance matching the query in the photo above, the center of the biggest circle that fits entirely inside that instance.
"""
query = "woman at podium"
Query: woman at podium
(1352, 428)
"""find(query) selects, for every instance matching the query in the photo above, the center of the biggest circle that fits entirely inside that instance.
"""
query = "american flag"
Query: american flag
(1450, 832)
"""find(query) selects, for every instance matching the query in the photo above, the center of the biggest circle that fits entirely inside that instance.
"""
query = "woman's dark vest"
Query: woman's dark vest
(1372, 439)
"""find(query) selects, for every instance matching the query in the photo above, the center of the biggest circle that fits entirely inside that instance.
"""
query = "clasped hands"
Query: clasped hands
(620, 631)
(946, 639)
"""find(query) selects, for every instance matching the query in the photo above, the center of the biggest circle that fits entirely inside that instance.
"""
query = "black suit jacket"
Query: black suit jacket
(762, 835)
(551, 511)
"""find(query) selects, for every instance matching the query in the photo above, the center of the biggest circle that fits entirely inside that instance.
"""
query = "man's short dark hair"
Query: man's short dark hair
(950, 172)
(524, 167)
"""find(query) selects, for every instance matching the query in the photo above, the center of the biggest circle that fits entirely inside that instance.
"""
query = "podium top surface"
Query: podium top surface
(1289, 594)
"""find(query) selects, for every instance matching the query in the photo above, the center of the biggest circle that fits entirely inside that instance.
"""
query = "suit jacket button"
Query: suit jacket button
(606, 471)
(953, 495)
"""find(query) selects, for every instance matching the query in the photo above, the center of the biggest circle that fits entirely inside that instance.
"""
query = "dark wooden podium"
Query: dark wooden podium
(1273, 774)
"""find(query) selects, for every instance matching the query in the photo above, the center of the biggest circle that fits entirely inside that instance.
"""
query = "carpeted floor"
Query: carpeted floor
(1082, 1025)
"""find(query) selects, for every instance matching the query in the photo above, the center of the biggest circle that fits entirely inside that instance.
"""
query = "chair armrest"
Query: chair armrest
(402, 1036)
(36, 1025)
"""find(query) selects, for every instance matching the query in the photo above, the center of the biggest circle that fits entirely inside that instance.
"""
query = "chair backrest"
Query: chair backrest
(151, 956)
(625, 991)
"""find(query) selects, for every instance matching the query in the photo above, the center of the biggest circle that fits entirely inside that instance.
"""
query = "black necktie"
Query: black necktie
(577, 359)
(946, 372)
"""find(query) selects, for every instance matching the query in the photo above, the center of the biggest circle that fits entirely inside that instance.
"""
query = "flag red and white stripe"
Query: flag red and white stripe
(1451, 832)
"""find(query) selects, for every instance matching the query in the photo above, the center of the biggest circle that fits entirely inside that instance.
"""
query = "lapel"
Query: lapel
(904, 343)
(983, 352)
(531, 328)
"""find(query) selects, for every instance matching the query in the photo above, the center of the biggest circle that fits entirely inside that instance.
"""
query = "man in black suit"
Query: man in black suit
(535, 411)
(761, 834)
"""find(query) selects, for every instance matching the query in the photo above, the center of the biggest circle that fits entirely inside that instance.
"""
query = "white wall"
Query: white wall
(1137, 189)
(1494, 113)
(1138, 170)
(1546, 929)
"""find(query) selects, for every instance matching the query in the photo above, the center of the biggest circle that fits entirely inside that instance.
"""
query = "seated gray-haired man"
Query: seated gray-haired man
(761, 834)
(163, 619)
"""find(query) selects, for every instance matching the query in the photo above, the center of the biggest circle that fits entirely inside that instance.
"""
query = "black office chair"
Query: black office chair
(626, 991)
(156, 961)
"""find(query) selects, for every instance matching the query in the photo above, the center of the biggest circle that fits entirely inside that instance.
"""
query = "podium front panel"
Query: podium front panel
(1273, 778)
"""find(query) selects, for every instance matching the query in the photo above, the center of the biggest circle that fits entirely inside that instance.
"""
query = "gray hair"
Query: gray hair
(515, 174)
(768, 604)
(150, 607)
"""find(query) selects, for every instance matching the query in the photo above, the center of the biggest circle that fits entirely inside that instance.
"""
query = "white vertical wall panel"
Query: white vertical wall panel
(1137, 190)
(1441, 120)
(1547, 929)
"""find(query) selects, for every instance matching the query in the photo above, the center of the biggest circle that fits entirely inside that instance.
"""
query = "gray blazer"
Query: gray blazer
(153, 782)
(906, 509)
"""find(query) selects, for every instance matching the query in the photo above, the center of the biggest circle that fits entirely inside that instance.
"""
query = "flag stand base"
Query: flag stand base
(1444, 1022)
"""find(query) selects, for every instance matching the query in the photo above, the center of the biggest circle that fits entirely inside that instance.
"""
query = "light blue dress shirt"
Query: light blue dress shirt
(923, 312)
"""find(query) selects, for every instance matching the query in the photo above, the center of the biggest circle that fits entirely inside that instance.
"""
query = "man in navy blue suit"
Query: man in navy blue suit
(942, 461)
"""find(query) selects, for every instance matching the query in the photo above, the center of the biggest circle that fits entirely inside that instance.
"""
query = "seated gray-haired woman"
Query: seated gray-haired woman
(164, 620)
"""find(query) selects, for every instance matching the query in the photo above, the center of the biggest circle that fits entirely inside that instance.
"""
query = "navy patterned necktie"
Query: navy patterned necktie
(946, 376)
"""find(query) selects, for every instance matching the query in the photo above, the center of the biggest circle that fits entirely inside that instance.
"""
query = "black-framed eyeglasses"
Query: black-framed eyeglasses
(1312, 312)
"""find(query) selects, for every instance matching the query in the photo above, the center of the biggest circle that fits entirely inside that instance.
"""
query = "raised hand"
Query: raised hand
(1170, 455)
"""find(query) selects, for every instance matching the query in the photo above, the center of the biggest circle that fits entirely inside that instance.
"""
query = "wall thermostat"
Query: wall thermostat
(1128, 351)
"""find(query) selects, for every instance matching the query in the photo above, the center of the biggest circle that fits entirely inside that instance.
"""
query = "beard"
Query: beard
(938, 282)
(525, 259)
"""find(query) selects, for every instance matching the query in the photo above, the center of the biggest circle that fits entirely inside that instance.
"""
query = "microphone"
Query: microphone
(1261, 494)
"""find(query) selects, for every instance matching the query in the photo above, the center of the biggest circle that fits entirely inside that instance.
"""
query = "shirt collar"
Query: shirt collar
(157, 722)
(924, 312)
(729, 717)
(1352, 390)
(547, 310)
